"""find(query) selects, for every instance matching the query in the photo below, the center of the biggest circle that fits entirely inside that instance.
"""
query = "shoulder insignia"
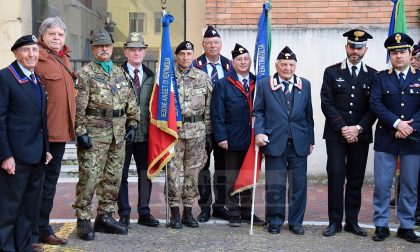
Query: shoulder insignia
(274, 84)
(413, 70)
(343, 64)
(16, 75)
(390, 70)
(228, 67)
(364, 68)
(298, 83)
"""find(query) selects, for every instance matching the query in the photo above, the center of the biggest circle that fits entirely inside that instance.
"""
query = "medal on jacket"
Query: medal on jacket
(114, 89)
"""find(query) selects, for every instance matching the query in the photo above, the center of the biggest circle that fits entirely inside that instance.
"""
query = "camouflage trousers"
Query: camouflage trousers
(190, 156)
(100, 169)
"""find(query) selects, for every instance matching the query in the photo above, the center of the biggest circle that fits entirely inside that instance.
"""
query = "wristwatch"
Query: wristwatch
(359, 128)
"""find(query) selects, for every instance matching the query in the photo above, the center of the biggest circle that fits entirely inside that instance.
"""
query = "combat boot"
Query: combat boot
(104, 223)
(175, 221)
(84, 230)
(188, 219)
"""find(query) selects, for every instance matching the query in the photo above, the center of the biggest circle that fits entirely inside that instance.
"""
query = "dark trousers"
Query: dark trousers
(418, 199)
(139, 151)
(240, 203)
(18, 193)
(345, 162)
(219, 181)
(45, 205)
(279, 170)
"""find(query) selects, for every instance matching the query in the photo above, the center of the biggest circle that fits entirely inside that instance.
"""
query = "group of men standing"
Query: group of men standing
(353, 96)
(105, 108)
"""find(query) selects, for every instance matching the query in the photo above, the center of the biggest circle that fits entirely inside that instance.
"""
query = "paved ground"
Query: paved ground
(216, 236)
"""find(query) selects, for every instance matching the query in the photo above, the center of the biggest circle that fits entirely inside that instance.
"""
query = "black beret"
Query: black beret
(25, 40)
(416, 49)
(211, 32)
(286, 53)
(186, 45)
(238, 50)
(398, 41)
(357, 38)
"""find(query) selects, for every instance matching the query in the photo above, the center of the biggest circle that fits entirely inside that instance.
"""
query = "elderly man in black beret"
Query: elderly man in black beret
(23, 146)
(194, 90)
(231, 107)
(284, 127)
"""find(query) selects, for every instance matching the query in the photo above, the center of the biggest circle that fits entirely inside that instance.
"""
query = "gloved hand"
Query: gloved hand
(84, 142)
(209, 143)
(130, 135)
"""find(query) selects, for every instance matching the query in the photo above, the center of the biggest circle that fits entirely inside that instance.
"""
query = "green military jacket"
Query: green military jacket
(96, 90)
(143, 100)
(194, 89)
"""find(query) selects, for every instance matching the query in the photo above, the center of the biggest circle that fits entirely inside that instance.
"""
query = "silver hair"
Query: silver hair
(52, 22)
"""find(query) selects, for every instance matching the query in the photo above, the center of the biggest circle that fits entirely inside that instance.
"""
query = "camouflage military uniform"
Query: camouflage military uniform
(103, 105)
(190, 155)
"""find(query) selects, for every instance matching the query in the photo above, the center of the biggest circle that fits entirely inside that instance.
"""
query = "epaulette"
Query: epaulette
(413, 70)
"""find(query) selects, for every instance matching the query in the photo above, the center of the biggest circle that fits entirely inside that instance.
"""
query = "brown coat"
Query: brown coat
(60, 91)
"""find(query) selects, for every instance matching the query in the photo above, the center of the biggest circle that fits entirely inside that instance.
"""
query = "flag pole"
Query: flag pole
(256, 159)
(251, 228)
(163, 2)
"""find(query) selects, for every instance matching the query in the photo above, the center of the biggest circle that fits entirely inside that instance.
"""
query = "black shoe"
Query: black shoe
(417, 223)
(175, 221)
(148, 220)
(297, 229)
(274, 229)
(204, 216)
(125, 220)
(104, 223)
(355, 229)
(234, 221)
(257, 220)
(408, 234)
(188, 219)
(220, 213)
(331, 230)
(84, 230)
(381, 233)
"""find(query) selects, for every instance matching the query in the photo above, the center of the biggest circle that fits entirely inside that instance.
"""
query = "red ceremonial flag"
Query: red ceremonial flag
(165, 113)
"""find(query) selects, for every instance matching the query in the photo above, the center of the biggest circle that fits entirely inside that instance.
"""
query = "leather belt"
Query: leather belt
(105, 112)
(193, 119)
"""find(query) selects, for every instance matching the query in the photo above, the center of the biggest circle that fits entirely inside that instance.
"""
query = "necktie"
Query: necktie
(35, 88)
(401, 75)
(214, 76)
(137, 80)
(33, 79)
(353, 72)
(246, 85)
(286, 87)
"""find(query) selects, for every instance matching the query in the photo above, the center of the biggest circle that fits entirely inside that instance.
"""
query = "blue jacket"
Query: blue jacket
(390, 102)
(271, 117)
(23, 122)
(230, 112)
